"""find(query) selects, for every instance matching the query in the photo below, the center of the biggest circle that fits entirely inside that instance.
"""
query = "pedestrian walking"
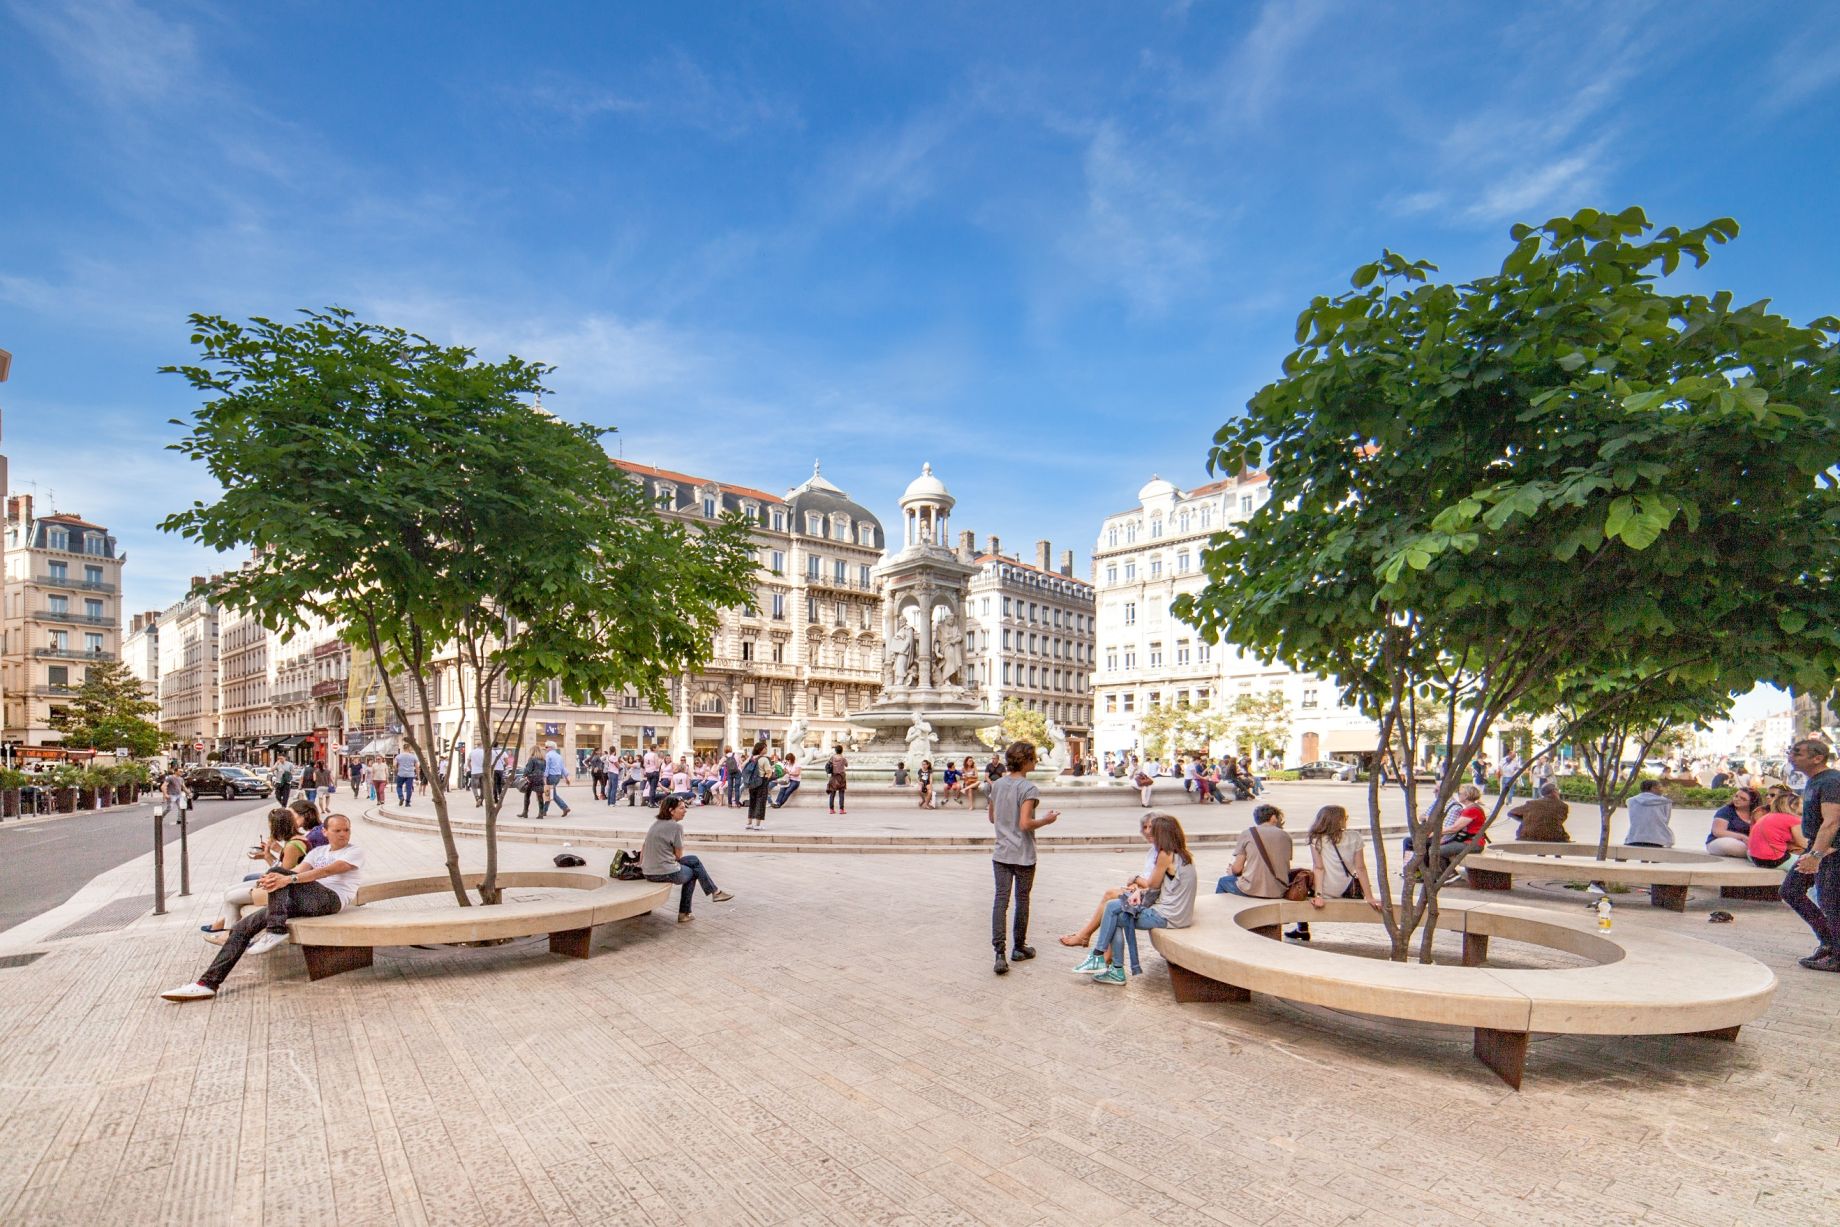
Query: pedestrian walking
(1817, 869)
(555, 774)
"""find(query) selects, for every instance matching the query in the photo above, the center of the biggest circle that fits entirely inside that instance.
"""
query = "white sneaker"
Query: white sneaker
(267, 940)
(189, 992)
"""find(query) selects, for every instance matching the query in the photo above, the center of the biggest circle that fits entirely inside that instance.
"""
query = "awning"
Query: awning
(382, 745)
(287, 743)
(1349, 743)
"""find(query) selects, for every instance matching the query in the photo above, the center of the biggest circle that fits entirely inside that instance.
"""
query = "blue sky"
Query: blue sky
(1048, 248)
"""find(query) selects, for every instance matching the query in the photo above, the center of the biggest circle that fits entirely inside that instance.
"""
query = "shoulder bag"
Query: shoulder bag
(1302, 882)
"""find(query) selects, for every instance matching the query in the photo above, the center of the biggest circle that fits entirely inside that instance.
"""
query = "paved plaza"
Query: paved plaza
(831, 1047)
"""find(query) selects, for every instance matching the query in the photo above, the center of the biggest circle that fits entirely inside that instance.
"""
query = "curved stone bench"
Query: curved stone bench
(1655, 984)
(344, 940)
(1667, 872)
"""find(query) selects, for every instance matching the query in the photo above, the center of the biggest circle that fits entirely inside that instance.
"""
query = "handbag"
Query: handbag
(1354, 890)
(1302, 882)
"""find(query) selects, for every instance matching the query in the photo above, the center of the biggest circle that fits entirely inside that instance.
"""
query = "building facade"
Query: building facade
(247, 719)
(140, 651)
(189, 677)
(795, 666)
(1031, 635)
(1144, 558)
(62, 613)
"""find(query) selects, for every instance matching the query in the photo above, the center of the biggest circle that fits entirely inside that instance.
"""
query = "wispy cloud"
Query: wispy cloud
(1142, 233)
(1251, 80)
(122, 53)
(672, 90)
(1807, 65)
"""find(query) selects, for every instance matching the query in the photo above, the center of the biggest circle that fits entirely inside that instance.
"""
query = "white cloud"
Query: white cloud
(673, 89)
(1255, 76)
(1142, 233)
(1807, 66)
(123, 53)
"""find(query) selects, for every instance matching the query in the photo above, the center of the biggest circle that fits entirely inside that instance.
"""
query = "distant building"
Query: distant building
(189, 676)
(1030, 636)
(62, 614)
(140, 651)
(1146, 557)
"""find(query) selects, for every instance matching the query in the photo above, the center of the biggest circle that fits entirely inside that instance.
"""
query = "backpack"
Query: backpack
(625, 866)
(830, 768)
(750, 774)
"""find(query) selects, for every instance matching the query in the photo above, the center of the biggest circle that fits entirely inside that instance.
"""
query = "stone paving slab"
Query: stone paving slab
(832, 1048)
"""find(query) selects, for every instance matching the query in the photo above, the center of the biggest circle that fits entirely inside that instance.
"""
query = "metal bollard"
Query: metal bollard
(159, 861)
(185, 853)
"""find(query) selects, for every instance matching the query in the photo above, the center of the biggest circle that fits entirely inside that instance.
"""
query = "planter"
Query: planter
(86, 798)
(63, 800)
(9, 803)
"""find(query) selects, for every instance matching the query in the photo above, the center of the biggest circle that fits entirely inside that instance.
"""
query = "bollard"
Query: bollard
(159, 861)
(185, 854)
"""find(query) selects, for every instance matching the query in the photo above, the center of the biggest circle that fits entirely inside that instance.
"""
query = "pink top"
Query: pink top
(1769, 838)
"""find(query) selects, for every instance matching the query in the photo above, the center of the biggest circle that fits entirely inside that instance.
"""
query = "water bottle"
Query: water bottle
(1603, 915)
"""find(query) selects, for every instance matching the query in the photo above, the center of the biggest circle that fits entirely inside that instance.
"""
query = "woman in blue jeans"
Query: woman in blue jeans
(1174, 874)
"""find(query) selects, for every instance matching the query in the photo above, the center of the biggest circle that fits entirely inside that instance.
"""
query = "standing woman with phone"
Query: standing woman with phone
(1012, 807)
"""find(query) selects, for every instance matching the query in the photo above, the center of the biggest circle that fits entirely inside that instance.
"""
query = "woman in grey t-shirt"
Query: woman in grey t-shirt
(1012, 807)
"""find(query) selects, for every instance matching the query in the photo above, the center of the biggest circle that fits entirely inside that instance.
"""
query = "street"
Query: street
(43, 863)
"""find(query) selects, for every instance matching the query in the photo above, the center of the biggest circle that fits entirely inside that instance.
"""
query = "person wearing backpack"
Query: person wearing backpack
(284, 783)
(532, 783)
(731, 776)
(756, 777)
(836, 788)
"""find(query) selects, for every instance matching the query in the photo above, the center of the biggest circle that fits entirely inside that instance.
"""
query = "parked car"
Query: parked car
(1328, 769)
(226, 782)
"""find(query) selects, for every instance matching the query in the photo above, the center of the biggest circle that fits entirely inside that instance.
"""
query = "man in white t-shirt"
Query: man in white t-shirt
(652, 764)
(476, 774)
(324, 882)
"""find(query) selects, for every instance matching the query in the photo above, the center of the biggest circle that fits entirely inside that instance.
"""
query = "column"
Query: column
(680, 736)
(731, 727)
(925, 648)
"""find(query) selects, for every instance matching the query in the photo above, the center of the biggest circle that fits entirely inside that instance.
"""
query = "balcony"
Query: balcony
(52, 615)
(283, 698)
(753, 668)
(71, 654)
(327, 689)
(838, 585)
(81, 585)
(55, 690)
(850, 673)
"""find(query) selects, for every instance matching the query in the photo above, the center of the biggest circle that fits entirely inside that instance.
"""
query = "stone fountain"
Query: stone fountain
(929, 706)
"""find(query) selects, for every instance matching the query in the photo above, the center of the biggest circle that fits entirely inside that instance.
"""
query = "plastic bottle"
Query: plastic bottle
(1603, 915)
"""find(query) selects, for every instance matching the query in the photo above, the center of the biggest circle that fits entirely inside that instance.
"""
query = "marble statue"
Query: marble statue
(1057, 753)
(795, 735)
(948, 651)
(901, 652)
(920, 738)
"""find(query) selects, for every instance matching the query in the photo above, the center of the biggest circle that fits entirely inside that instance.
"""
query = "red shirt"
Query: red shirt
(1769, 839)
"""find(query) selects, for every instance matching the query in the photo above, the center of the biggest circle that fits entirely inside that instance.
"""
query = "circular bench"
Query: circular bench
(344, 940)
(1655, 984)
(1667, 872)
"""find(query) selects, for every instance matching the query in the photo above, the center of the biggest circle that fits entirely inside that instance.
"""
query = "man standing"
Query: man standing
(651, 775)
(1819, 867)
(309, 783)
(325, 881)
(731, 774)
(476, 774)
(284, 782)
(405, 775)
(662, 859)
(555, 771)
(535, 768)
(1543, 818)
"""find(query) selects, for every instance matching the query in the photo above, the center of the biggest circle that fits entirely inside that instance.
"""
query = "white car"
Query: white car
(1328, 769)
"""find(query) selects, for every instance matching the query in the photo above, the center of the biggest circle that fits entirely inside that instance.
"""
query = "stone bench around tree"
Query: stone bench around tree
(1645, 984)
(1667, 872)
(344, 941)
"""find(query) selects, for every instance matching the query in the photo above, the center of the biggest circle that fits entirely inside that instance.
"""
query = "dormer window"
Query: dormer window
(709, 507)
(666, 493)
(57, 537)
(840, 529)
(865, 534)
(814, 524)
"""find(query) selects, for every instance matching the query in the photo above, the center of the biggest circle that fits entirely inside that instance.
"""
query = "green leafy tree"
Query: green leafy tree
(1180, 728)
(1478, 488)
(110, 710)
(405, 492)
(1260, 722)
(1019, 724)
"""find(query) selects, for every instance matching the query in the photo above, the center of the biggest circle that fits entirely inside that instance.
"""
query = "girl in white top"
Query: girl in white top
(1339, 857)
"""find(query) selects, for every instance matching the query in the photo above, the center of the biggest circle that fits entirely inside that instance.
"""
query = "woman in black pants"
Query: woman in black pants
(757, 775)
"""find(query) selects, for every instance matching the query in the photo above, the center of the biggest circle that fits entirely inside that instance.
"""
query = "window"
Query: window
(811, 609)
(1130, 701)
(779, 562)
(1006, 673)
(779, 606)
(91, 574)
(814, 524)
(841, 529)
(1130, 532)
(1156, 656)
(1309, 696)
(1207, 516)
(1032, 647)
(779, 521)
(1130, 613)
(1153, 699)
(1111, 573)
(58, 675)
(1130, 658)
(865, 534)
(1111, 536)
(1245, 504)
(709, 508)
(60, 641)
(57, 538)
(840, 570)
(1182, 563)
(1181, 651)
(1156, 527)
(985, 607)
(1111, 704)
(1006, 639)
(1111, 662)
(1130, 572)
(1181, 698)
(95, 543)
(60, 571)
(92, 608)
(1182, 522)
(1156, 568)
(1203, 652)
(863, 576)
(1032, 675)
(747, 649)
(1006, 607)
(779, 653)
(1031, 611)
(57, 604)
(92, 642)
(812, 566)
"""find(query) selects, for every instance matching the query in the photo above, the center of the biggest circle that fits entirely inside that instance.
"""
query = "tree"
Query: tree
(1477, 488)
(1260, 722)
(1020, 723)
(110, 710)
(406, 493)
(1180, 727)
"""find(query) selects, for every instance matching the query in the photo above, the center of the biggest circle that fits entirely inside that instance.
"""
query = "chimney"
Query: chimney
(19, 508)
(1067, 563)
(967, 546)
(992, 547)
(1043, 555)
